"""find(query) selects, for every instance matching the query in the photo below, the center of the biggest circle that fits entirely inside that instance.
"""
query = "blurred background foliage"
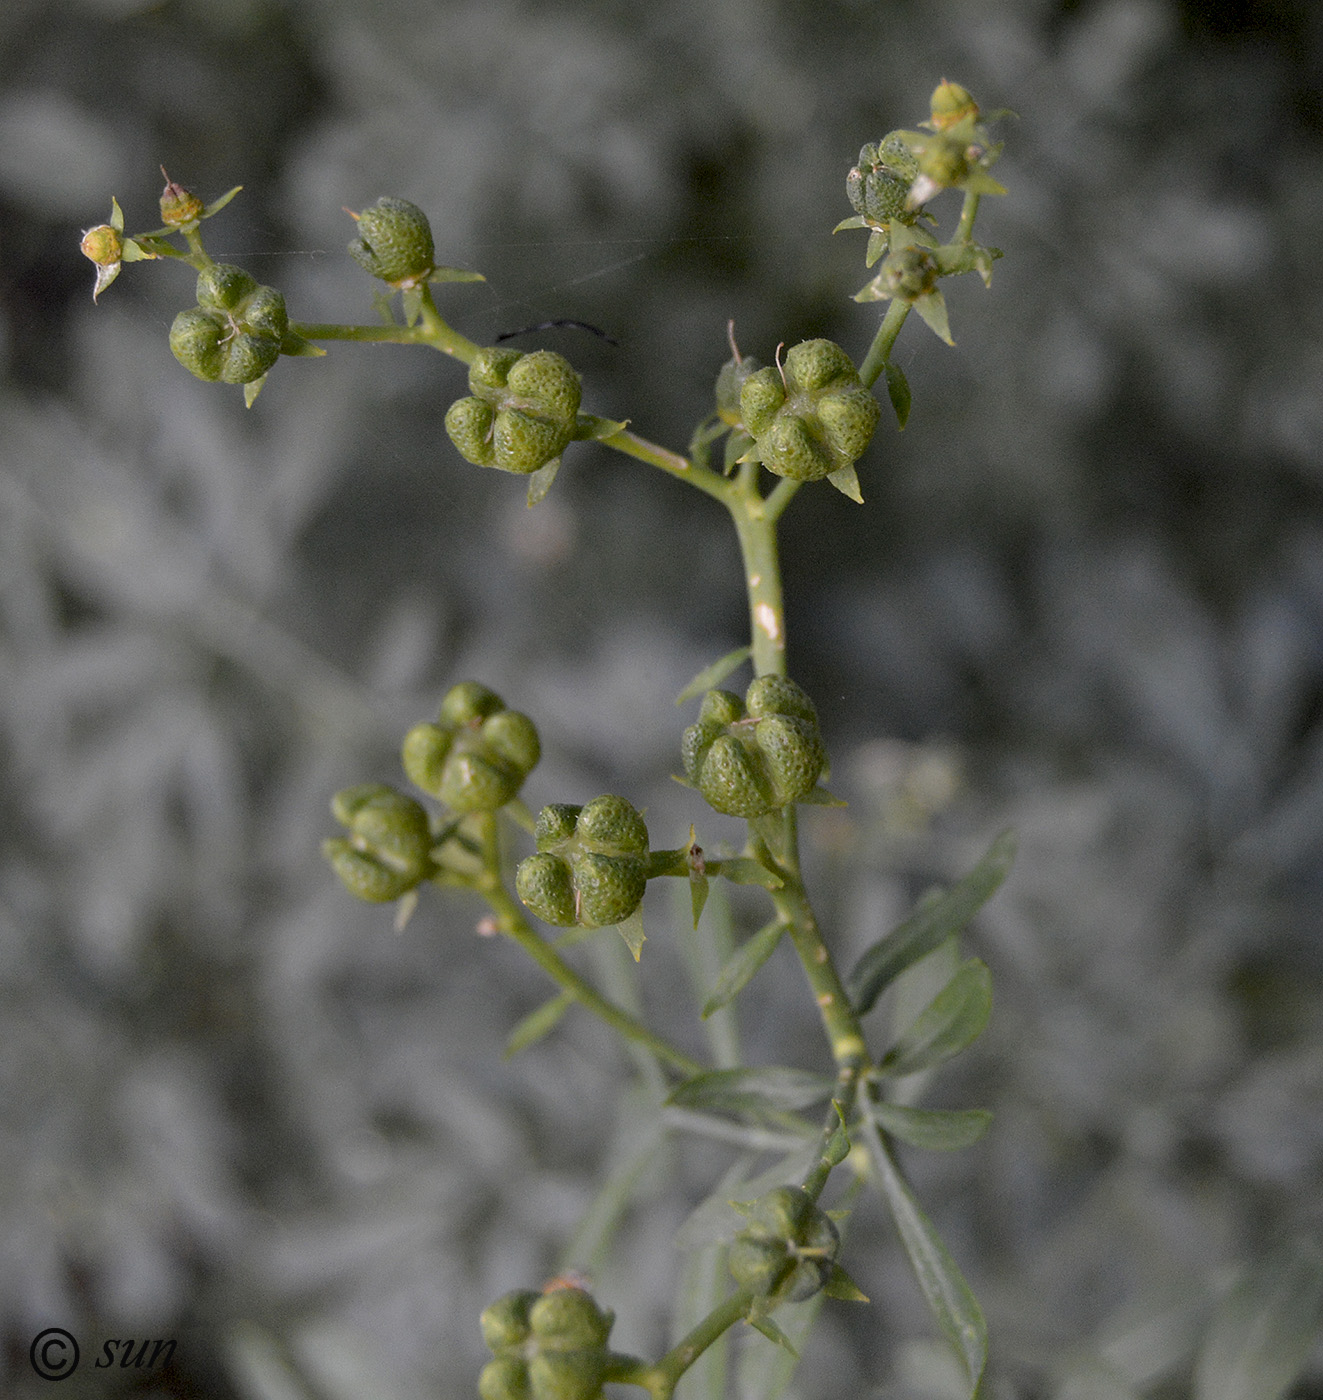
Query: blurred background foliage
(1085, 598)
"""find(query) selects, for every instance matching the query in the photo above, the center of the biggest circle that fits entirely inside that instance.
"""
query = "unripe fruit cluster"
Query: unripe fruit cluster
(234, 333)
(879, 186)
(591, 864)
(788, 1250)
(813, 416)
(546, 1346)
(394, 242)
(388, 850)
(754, 756)
(476, 756)
(521, 411)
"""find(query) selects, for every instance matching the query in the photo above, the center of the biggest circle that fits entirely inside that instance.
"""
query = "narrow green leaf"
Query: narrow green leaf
(937, 1129)
(898, 389)
(411, 305)
(1263, 1331)
(846, 481)
(742, 870)
(711, 676)
(954, 1018)
(854, 221)
(537, 1023)
(218, 204)
(878, 243)
(698, 892)
(252, 389)
(539, 482)
(772, 1332)
(930, 926)
(773, 1089)
(932, 307)
(750, 956)
(454, 274)
(631, 930)
(589, 428)
(820, 797)
(949, 1297)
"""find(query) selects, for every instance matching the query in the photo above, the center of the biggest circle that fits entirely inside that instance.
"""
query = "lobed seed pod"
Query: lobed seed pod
(878, 187)
(591, 864)
(477, 755)
(811, 418)
(235, 332)
(754, 756)
(788, 1250)
(909, 273)
(547, 1346)
(388, 850)
(521, 412)
(394, 242)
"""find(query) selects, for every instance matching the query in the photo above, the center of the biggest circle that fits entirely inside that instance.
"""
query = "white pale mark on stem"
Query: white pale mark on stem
(768, 622)
(755, 580)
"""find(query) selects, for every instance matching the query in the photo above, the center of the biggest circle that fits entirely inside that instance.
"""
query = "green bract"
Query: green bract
(235, 332)
(394, 242)
(787, 1251)
(477, 755)
(591, 865)
(878, 187)
(547, 1346)
(813, 416)
(521, 413)
(751, 757)
(387, 852)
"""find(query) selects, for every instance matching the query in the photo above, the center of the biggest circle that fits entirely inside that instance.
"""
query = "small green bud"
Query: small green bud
(788, 1249)
(178, 205)
(521, 413)
(909, 273)
(591, 865)
(394, 243)
(753, 757)
(952, 104)
(730, 380)
(476, 757)
(565, 1319)
(388, 849)
(104, 245)
(812, 417)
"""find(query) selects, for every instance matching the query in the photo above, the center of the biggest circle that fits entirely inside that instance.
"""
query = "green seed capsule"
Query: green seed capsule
(506, 1378)
(569, 1319)
(476, 757)
(788, 1249)
(752, 757)
(566, 1375)
(879, 186)
(247, 357)
(394, 242)
(388, 850)
(811, 418)
(591, 866)
(222, 287)
(505, 1322)
(521, 413)
(195, 341)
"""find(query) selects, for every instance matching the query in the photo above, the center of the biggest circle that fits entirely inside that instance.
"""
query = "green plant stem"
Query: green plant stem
(511, 922)
(660, 1378)
(968, 211)
(756, 529)
(879, 352)
(673, 463)
(430, 329)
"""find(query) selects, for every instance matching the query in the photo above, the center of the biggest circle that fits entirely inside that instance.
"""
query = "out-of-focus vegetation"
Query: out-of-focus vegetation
(1084, 597)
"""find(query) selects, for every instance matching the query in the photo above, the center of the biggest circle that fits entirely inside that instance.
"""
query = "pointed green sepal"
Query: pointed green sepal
(841, 1285)
(218, 204)
(820, 797)
(854, 221)
(846, 481)
(741, 870)
(252, 389)
(411, 304)
(539, 482)
(764, 1324)
(932, 307)
(898, 391)
(454, 274)
(590, 428)
(631, 930)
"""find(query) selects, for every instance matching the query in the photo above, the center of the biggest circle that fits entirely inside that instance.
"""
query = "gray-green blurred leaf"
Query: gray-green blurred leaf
(955, 1017)
(537, 1023)
(775, 1089)
(936, 1129)
(930, 926)
(1265, 1328)
(750, 956)
(949, 1297)
(898, 390)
